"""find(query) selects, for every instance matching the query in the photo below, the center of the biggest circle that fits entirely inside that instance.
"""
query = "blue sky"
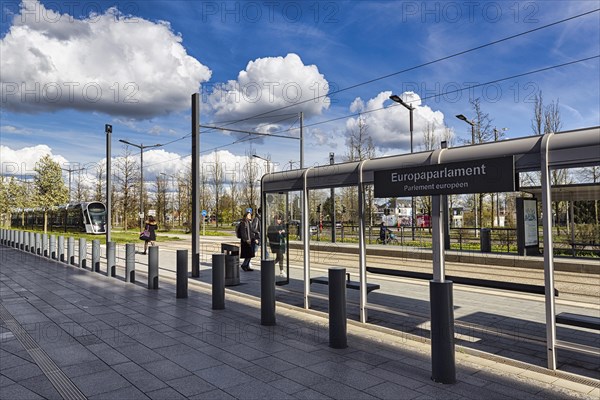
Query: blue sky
(134, 65)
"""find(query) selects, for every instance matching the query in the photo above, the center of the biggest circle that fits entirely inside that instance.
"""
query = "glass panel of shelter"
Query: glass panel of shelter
(277, 224)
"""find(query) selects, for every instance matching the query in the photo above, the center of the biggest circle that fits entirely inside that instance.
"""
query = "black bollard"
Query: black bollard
(182, 274)
(443, 367)
(82, 252)
(130, 262)
(267, 292)
(96, 255)
(153, 267)
(337, 308)
(111, 265)
(218, 281)
(32, 242)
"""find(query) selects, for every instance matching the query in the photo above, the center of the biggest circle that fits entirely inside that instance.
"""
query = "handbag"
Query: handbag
(145, 235)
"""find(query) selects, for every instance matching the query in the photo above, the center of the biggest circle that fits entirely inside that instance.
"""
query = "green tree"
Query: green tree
(50, 189)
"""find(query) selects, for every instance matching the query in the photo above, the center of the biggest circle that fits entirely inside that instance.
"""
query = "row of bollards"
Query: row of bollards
(50, 247)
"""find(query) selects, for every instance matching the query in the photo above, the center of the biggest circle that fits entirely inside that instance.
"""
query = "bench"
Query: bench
(518, 287)
(582, 321)
(323, 280)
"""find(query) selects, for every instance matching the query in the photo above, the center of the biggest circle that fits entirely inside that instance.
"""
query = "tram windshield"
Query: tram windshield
(97, 212)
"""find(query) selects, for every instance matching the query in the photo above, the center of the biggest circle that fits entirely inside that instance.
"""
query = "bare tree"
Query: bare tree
(161, 199)
(217, 178)
(127, 178)
(233, 191)
(250, 176)
(537, 122)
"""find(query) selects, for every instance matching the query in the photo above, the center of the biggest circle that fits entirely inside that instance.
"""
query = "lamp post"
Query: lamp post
(70, 170)
(410, 109)
(472, 123)
(141, 147)
(333, 222)
(266, 160)
(108, 132)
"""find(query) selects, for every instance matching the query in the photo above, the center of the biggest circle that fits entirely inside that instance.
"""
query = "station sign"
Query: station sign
(490, 175)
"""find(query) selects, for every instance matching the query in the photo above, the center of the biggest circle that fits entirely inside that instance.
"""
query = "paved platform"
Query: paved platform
(68, 332)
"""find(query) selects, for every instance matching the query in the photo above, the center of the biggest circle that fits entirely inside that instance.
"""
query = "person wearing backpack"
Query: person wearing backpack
(247, 240)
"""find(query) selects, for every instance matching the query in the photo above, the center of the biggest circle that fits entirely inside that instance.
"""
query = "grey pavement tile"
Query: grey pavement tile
(225, 357)
(8, 360)
(194, 360)
(23, 372)
(107, 354)
(299, 357)
(74, 353)
(309, 394)
(165, 370)
(100, 382)
(175, 349)
(127, 393)
(262, 374)
(391, 391)
(223, 376)
(245, 352)
(41, 386)
(5, 381)
(256, 390)
(138, 353)
(190, 385)
(338, 390)
(399, 377)
(143, 380)
(303, 376)
(85, 368)
(216, 394)
(274, 364)
(18, 392)
(155, 340)
(351, 377)
(167, 393)
(439, 391)
(287, 385)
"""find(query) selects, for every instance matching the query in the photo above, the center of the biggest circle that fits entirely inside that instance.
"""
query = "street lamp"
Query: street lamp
(264, 159)
(141, 147)
(69, 170)
(472, 123)
(410, 108)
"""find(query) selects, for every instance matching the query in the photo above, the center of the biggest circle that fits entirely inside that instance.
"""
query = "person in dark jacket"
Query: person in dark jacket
(247, 241)
(276, 235)
(151, 227)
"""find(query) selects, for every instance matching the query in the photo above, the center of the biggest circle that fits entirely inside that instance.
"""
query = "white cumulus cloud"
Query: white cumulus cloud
(268, 84)
(22, 162)
(390, 128)
(109, 62)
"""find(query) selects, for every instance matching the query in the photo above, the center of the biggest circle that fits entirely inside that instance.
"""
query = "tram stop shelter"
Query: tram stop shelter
(543, 154)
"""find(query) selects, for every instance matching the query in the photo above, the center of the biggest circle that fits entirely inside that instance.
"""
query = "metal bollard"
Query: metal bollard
(70, 251)
(45, 245)
(111, 265)
(267, 292)
(218, 281)
(443, 366)
(130, 262)
(53, 247)
(82, 252)
(38, 244)
(25, 241)
(32, 237)
(21, 236)
(96, 255)
(153, 267)
(13, 239)
(337, 308)
(182, 274)
(60, 251)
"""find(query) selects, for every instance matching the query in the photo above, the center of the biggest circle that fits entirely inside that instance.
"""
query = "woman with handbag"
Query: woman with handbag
(149, 233)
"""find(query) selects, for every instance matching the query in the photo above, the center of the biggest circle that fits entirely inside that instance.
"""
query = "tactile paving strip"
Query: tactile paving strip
(63, 385)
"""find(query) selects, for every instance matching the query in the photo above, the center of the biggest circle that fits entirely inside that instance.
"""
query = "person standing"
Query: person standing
(151, 228)
(276, 236)
(247, 241)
